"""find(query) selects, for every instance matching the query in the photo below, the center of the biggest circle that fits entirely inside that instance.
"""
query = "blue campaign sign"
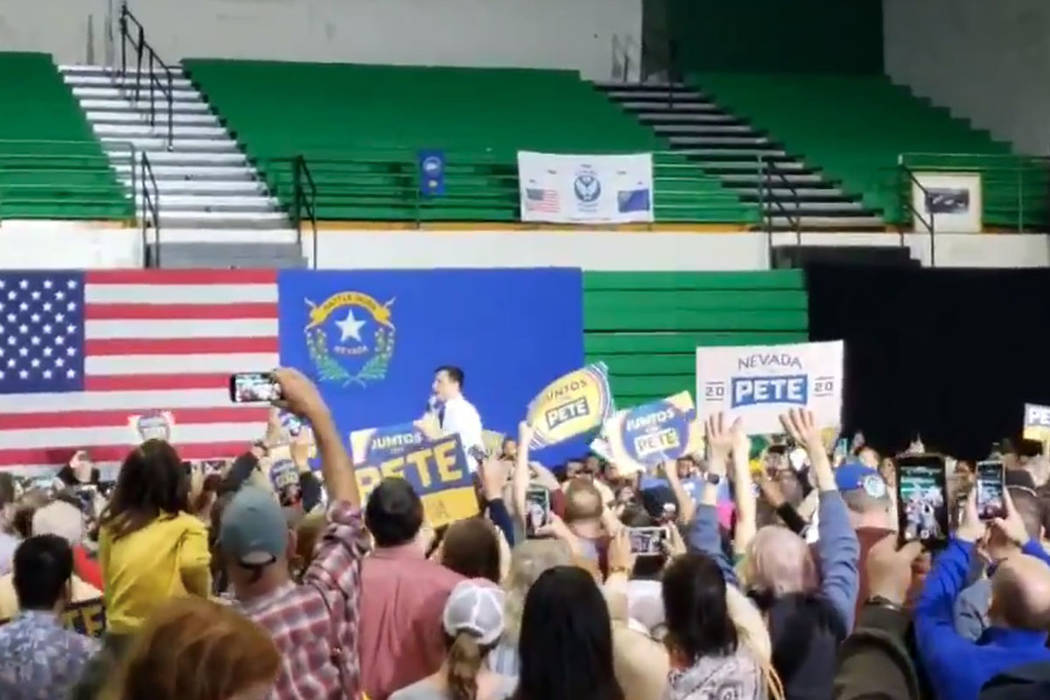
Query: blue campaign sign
(432, 173)
(372, 339)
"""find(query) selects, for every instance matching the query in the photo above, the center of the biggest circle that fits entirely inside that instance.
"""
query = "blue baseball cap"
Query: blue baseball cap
(254, 531)
(854, 475)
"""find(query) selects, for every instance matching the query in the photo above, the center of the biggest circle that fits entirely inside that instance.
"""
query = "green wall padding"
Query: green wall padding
(646, 326)
(820, 36)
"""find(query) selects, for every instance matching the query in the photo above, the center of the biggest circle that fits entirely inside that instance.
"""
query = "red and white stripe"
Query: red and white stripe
(155, 340)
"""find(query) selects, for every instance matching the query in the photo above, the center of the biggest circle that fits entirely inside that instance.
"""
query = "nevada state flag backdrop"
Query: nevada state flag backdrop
(372, 339)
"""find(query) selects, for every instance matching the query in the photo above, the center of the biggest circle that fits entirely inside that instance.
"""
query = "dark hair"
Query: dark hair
(471, 549)
(43, 565)
(22, 521)
(805, 632)
(152, 483)
(394, 512)
(1030, 507)
(7, 489)
(454, 373)
(698, 622)
(566, 640)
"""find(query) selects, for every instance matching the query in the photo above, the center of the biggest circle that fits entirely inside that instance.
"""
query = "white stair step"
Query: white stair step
(103, 80)
(176, 70)
(120, 104)
(133, 116)
(704, 129)
(180, 130)
(832, 222)
(742, 152)
(159, 143)
(843, 208)
(716, 141)
(186, 159)
(224, 235)
(619, 84)
(112, 93)
(654, 94)
(244, 188)
(205, 201)
(191, 173)
(751, 190)
(674, 108)
(676, 117)
(272, 220)
(735, 180)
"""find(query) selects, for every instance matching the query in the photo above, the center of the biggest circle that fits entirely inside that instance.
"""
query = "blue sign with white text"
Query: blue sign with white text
(432, 173)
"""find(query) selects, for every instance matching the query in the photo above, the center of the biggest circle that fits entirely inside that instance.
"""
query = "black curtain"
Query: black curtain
(951, 354)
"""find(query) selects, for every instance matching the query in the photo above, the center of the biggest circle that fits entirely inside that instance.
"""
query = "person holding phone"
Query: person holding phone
(1019, 613)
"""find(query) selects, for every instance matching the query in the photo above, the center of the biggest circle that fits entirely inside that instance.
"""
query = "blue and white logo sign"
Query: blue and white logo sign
(587, 187)
(432, 173)
(758, 383)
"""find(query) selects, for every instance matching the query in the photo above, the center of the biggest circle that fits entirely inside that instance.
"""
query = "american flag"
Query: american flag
(82, 352)
(541, 200)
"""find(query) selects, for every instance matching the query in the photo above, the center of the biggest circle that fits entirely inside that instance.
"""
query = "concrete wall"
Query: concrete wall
(523, 33)
(72, 245)
(988, 60)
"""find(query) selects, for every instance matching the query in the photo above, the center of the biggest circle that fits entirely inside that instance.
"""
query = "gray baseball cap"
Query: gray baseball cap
(254, 530)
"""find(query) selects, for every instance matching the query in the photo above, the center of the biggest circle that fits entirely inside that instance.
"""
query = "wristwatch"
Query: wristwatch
(713, 479)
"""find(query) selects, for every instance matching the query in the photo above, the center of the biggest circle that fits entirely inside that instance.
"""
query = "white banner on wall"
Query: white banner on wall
(954, 201)
(760, 382)
(586, 189)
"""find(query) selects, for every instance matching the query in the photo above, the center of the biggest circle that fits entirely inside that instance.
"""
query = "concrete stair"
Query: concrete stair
(726, 146)
(203, 179)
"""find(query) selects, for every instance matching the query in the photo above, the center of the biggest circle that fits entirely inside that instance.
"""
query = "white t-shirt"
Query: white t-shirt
(460, 416)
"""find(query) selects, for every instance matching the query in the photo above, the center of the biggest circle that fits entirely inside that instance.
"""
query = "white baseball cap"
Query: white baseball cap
(475, 606)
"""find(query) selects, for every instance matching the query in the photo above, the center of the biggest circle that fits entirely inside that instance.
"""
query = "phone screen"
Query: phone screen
(645, 541)
(247, 387)
(990, 500)
(537, 510)
(922, 510)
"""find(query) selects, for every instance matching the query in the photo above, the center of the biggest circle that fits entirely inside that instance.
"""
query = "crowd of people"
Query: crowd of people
(775, 575)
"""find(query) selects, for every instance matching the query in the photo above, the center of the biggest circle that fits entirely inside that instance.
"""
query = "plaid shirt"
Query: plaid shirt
(315, 624)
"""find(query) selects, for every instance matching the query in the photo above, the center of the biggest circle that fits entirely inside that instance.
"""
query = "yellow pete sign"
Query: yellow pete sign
(87, 617)
(576, 403)
(1036, 422)
(437, 469)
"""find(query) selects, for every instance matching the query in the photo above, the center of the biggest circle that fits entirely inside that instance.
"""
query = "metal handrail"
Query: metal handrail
(150, 212)
(930, 225)
(767, 170)
(302, 201)
(142, 47)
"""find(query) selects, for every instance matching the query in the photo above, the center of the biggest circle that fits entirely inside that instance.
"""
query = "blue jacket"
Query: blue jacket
(971, 607)
(955, 666)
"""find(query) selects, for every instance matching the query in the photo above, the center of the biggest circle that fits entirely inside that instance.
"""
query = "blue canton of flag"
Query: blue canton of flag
(41, 332)
(633, 200)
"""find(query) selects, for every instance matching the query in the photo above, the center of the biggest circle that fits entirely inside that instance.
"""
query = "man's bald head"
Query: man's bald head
(1021, 593)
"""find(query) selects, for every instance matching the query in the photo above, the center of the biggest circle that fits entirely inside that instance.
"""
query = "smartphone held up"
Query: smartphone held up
(991, 485)
(922, 509)
(252, 387)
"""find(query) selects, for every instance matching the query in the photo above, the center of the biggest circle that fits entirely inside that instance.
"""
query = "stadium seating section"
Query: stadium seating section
(647, 325)
(360, 128)
(856, 126)
(51, 164)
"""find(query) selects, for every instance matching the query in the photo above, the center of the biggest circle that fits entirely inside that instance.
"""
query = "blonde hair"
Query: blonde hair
(528, 560)
(780, 562)
(194, 649)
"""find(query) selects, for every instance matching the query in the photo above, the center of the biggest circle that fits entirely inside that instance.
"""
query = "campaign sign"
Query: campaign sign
(573, 404)
(760, 382)
(156, 425)
(437, 469)
(1036, 422)
(646, 435)
(87, 617)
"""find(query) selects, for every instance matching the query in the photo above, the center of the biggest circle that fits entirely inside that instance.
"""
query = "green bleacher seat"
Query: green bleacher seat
(647, 325)
(856, 126)
(51, 164)
(360, 127)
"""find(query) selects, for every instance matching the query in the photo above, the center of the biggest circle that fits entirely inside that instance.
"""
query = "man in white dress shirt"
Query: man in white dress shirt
(454, 413)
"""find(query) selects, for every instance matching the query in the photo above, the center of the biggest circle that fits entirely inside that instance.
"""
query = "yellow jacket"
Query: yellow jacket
(169, 557)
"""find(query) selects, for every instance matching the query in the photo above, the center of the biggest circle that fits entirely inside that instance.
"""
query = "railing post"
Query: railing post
(1020, 195)
(297, 193)
(171, 110)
